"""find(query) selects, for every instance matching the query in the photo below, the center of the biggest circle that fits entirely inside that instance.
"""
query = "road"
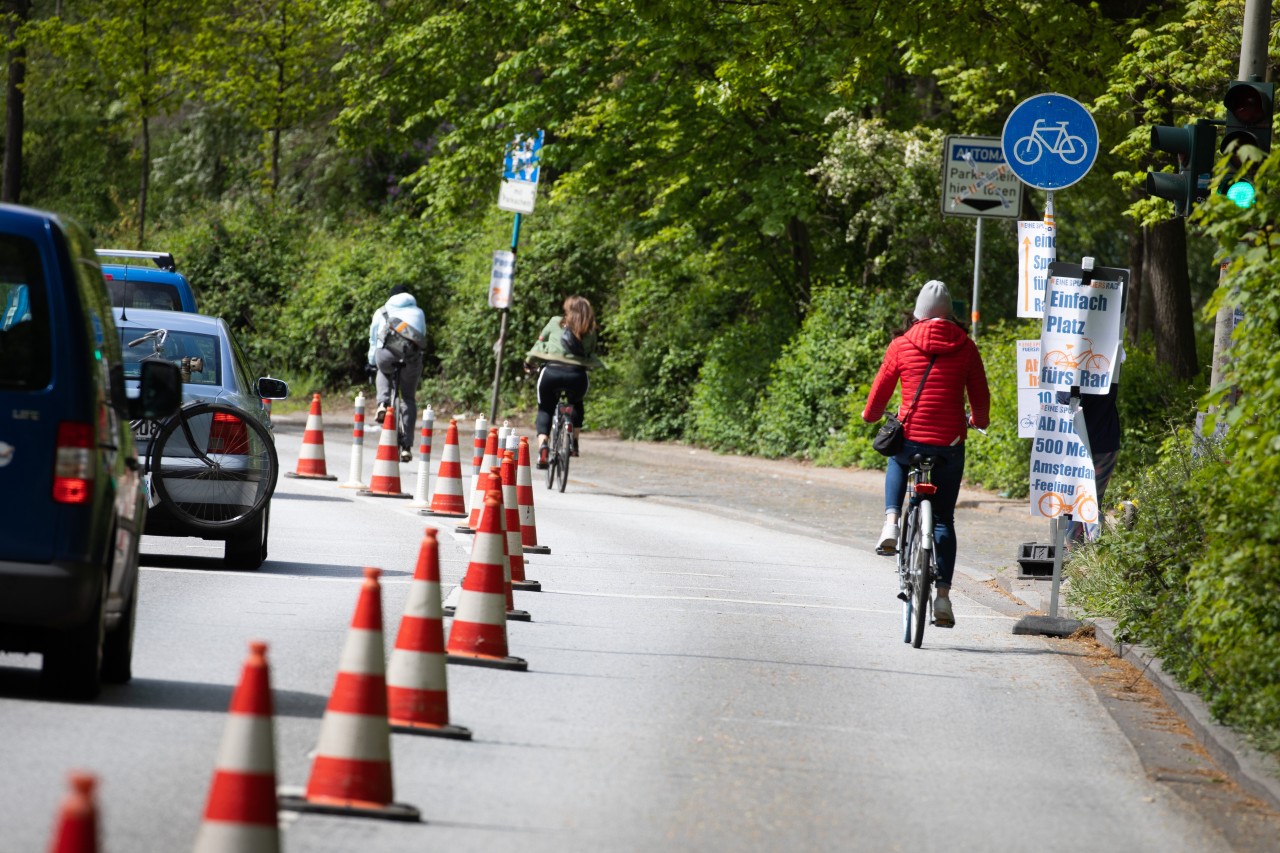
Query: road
(715, 663)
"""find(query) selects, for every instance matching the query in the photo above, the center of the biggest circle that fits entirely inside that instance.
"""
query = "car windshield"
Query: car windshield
(25, 348)
(143, 294)
(200, 354)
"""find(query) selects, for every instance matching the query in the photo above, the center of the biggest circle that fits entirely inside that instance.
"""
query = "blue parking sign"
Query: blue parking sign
(1050, 141)
(523, 158)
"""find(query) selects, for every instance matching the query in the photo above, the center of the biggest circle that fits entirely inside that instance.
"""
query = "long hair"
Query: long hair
(579, 317)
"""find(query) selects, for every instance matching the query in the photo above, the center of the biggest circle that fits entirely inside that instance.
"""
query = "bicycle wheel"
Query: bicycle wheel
(213, 465)
(563, 442)
(905, 582)
(921, 576)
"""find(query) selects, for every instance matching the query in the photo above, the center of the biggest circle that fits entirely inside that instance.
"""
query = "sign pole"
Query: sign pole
(974, 313)
(502, 328)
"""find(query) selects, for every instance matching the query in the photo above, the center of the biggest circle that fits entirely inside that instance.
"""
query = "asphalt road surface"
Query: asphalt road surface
(715, 663)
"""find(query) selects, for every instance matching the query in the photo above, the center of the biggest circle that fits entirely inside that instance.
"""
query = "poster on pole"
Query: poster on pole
(521, 167)
(500, 277)
(1080, 333)
(1030, 394)
(1037, 248)
(1062, 480)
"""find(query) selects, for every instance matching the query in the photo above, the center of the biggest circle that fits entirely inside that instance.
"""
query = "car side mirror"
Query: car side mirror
(160, 391)
(272, 389)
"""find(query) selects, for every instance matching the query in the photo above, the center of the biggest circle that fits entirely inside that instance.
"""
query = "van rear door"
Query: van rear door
(29, 415)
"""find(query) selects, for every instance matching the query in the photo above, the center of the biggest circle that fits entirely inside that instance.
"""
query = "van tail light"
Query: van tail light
(228, 435)
(73, 464)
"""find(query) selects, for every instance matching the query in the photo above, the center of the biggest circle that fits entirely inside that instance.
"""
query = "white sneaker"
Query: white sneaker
(888, 538)
(943, 617)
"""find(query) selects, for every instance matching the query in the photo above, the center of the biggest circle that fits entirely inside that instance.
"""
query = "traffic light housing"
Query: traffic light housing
(1193, 145)
(1250, 105)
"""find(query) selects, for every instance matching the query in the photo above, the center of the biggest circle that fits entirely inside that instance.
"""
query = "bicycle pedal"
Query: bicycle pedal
(883, 553)
(902, 596)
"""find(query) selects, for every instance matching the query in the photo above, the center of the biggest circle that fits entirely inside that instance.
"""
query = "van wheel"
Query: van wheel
(117, 651)
(248, 550)
(72, 663)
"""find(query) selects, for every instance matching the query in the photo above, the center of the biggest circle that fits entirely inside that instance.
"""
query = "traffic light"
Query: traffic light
(1248, 138)
(1193, 145)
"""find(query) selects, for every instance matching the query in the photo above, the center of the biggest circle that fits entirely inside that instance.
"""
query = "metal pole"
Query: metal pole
(502, 329)
(977, 278)
(1253, 63)
(1059, 545)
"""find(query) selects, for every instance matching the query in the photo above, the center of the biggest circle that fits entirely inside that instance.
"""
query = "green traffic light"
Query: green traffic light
(1242, 193)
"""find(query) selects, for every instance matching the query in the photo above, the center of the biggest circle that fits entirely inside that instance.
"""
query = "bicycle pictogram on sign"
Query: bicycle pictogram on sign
(1086, 358)
(1085, 507)
(1056, 140)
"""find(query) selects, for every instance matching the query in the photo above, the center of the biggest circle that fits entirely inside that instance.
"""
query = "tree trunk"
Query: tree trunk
(144, 181)
(1134, 303)
(15, 112)
(1170, 297)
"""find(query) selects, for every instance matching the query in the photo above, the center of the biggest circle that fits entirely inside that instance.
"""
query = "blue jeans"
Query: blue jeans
(948, 471)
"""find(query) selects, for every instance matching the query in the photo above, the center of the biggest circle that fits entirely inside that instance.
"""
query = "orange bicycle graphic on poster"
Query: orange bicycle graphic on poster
(1085, 507)
(1066, 359)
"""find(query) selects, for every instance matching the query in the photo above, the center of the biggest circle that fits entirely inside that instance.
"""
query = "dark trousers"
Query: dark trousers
(410, 376)
(553, 379)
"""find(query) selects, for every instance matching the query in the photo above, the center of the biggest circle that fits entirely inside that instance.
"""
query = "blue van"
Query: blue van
(74, 500)
(156, 283)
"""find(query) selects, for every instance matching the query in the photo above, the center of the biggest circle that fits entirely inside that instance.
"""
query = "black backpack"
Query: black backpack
(400, 338)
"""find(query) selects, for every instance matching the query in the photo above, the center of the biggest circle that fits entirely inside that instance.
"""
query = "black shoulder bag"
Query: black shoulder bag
(889, 438)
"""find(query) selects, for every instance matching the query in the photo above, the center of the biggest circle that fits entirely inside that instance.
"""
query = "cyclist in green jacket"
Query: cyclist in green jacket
(567, 348)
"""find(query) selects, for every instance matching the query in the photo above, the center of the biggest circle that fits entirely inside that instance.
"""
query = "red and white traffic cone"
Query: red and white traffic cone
(385, 481)
(447, 500)
(351, 774)
(515, 552)
(417, 685)
(524, 501)
(357, 447)
(481, 484)
(478, 634)
(420, 499)
(76, 828)
(494, 479)
(477, 449)
(240, 814)
(311, 458)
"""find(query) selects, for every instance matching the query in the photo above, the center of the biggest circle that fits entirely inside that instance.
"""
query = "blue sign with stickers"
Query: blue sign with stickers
(1050, 141)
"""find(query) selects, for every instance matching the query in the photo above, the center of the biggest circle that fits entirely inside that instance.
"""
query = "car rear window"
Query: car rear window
(200, 353)
(26, 350)
(143, 294)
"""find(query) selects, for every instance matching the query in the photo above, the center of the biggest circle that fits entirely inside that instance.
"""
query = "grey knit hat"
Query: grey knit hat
(933, 302)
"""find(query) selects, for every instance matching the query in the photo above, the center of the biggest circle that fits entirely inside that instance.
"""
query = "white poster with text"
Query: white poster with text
(1080, 335)
(1061, 469)
(1037, 248)
(1030, 395)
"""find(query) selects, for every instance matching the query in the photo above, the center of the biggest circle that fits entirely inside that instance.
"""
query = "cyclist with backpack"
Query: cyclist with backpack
(397, 338)
(567, 348)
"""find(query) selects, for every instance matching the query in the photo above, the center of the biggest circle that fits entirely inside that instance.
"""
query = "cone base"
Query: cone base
(294, 475)
(447, 730)
(536, 549)
(519, 616)
(464, 529)
(391, 811)
(527, 586)
(512, 663)
(369, 493)
(440, 514)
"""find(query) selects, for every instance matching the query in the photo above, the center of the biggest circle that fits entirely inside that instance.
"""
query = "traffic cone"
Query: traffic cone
(76, 827)
(524, 501)
(515, 553)
(478, 635)
(447, 500)
(311, 458)
(488, 461)
(240, 814)
(424, 459)
(351, 774)
(417, 686)
(357, 447)
(494, 479)
(385, 479)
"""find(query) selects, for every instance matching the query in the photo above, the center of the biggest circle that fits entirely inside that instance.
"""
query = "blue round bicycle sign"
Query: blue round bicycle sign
(1050, 141)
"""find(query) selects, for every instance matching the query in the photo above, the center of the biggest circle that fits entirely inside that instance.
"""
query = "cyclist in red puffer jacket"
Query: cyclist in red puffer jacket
(936, 425)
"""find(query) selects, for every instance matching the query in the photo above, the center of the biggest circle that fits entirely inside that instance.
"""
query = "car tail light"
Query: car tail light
(73, 464)
(228, 435)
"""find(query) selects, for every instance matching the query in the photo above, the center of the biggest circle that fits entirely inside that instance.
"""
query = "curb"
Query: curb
(1256, 772)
